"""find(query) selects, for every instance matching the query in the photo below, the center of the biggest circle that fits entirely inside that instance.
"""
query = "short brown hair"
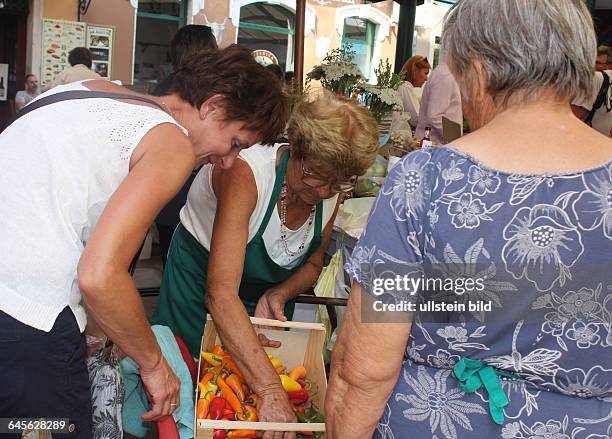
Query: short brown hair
(252, 94)
(337, 135)
(80, 55)
(414, 62)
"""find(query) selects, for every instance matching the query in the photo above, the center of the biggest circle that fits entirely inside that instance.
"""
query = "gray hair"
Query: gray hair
(605, 50)
(526, 47)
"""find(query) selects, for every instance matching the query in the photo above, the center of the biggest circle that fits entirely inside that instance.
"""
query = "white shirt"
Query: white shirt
(602, 119)
(441, 97)
(411, 102)
(60, 165)
(75, 73)
(198, 214)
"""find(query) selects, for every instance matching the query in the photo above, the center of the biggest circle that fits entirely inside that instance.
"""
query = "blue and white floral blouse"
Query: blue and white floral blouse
(545, 243)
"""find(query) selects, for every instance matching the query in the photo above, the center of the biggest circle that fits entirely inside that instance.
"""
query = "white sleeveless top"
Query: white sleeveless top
(60, 165)
(198, 214)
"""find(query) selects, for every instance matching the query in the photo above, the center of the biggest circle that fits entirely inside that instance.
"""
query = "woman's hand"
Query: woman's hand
(162, 387)
(271, 306)
(274, 406)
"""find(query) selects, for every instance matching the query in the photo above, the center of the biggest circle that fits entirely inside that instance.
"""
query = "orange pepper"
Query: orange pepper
(202, 409)
(236, 385)
(230, 364)
(306, 433)
(218, 350)
(250, 434)
(297, 373)
(280, 369)
(228, 394)
(249, 414)
(206, 378)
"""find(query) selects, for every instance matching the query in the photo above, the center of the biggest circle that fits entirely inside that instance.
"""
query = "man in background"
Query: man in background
(441, 98)
(80, 59)
(24, 97)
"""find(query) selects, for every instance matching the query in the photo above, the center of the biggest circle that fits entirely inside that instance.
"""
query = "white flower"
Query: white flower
(585, 336)
(432, 402)
(511, 430)
(542, 245)
(575, 382)
(443, 359)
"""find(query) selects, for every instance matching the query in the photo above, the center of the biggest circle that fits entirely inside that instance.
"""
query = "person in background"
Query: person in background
(441, 98)
(521, 205)
(253, 238)
(277, 70)
(76, 204)
(80, 59)
(187, 41)
(289, 77)
(596, 108)
(24, 97)
(604, 58)
(415, 72)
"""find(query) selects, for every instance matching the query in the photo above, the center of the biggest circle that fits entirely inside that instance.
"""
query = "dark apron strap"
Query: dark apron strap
(78, 94)
(278, 183)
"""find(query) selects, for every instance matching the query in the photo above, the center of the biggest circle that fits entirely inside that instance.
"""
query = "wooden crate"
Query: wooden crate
(302, 344)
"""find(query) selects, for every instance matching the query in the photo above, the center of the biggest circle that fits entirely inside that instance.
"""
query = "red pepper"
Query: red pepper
(217, 406)
(219, 434)
(300, 395)
(301, 410)
(301, 382)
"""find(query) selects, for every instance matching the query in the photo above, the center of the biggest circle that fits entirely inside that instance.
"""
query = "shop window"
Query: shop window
(270, 29)
(360, 34)
(157, 22)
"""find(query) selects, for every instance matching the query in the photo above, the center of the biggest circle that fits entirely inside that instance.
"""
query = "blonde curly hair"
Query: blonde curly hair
(337, 136)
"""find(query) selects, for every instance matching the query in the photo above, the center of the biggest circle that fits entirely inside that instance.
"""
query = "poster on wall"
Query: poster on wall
(100, 43)
(59, 38)
(3, 81)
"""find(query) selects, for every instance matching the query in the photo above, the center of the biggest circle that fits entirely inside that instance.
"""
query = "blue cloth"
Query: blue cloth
(136, 402)
(542, 245)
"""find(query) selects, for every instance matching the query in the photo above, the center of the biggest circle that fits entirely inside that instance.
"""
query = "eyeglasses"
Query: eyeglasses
(315, 181)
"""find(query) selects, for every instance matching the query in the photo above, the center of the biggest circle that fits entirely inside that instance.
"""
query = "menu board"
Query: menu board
(59, 38)
(100, 43)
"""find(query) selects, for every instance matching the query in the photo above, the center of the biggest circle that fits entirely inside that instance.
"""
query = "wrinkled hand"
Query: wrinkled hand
(270, 306)
(274, 406)
(162, 387)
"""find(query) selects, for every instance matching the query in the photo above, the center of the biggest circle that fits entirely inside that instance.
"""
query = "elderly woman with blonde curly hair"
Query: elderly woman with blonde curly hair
(515, 220)
(252, 238)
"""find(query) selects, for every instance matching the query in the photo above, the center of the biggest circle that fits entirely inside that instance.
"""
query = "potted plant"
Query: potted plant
(382, 98)
(338, 73)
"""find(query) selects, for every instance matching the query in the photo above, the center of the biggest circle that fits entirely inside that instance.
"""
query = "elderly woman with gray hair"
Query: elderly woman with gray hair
(507, 234)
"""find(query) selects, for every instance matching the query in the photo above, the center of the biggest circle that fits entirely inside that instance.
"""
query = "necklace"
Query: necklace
(283, 227)
(166, 107)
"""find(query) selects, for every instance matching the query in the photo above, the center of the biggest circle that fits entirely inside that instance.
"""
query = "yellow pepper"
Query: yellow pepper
(275, 361)
(211, 358)
(290, 385)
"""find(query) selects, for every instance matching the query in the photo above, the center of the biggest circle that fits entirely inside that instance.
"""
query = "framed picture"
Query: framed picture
(3, 81)
(100, 42)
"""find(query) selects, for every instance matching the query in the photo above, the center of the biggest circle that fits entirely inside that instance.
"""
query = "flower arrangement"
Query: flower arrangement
(382, 98)
(338, 72)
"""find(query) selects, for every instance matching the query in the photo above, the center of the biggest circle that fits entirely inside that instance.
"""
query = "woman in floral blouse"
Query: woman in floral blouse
(517, 216)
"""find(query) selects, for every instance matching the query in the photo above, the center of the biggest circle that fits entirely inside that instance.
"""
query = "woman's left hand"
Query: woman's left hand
(271, 306)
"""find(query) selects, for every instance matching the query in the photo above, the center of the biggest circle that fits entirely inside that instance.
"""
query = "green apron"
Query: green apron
(181, 297)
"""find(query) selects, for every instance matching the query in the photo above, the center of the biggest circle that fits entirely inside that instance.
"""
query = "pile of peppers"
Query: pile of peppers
(223, 394)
